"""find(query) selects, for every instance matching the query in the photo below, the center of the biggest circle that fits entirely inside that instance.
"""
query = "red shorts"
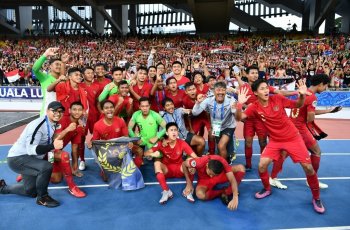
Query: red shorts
(309, 140)
(252, 126)
(210, 183)
(92, 119)
(295, 148)
(174, 171)
(199, 124)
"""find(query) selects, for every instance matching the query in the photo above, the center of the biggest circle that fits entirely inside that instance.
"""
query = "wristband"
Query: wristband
(239, 106)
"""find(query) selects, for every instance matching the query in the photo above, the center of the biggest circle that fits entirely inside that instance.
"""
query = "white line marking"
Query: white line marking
(184, 182)
(18, 121)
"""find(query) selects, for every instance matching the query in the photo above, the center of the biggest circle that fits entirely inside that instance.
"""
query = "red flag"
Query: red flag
(13, 75)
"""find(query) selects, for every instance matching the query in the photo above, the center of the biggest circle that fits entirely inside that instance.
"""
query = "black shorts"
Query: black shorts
(230, 133)
(189, 138)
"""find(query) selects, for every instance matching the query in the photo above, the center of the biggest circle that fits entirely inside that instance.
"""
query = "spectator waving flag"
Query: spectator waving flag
(114, 158)
(12, 76)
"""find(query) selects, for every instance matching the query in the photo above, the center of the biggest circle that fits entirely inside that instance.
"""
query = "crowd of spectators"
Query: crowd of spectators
(278, 57)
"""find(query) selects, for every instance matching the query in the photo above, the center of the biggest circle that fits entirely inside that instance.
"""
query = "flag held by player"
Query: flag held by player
(114, 158)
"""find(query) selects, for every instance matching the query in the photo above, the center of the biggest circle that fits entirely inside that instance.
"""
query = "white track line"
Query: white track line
(18, 121)
(184, 182)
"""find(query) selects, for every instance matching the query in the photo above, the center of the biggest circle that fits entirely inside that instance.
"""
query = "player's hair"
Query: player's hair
(52, 60)
(215, 166)
(165, 100)
(167, 81)
(86, 68)
(171, 124)
(73, 69)
(175, 63)
(220, 84)
(252, 67)
(188, 85)
(319, 78)
(144, 99)
(143, 68)
(101, 64)
(102, 103)
(196, 72)
(257, 83)
(76, 103)
(117, 68)
(122, 82)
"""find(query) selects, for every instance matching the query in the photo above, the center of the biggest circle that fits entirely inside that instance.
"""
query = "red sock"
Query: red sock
(66, 169)
(211, 145)
(81, 150)
(312, 180)
(211, 194)
(239, 176)
(277, 167)
(162, 182)
(248, 156)
(265, 180)
(138, 161)
(315, 161)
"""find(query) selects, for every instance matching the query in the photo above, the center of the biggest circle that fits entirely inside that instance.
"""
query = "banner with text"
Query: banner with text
(21, 92)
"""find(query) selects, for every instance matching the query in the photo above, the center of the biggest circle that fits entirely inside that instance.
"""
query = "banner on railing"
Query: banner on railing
(21, 92)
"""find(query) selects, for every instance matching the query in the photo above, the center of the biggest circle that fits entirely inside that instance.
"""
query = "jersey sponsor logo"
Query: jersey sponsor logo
(193, 163)
(314, 103)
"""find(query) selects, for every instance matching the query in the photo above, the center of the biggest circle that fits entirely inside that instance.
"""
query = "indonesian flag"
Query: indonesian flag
(12, 76)
(32, 48)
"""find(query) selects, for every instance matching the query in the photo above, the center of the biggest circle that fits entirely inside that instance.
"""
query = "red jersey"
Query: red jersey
(250, 93)
(125, 104)
(67, 95)
(177, 98)
(200, 164)
(299, 115)
(173, 155)
(204, 90)
(103, 83)
(93, 91)
(181, 83)
(156, 100)
(102, 131)
(189, 104)
(144, 91)
(280, 128)
(75, 136)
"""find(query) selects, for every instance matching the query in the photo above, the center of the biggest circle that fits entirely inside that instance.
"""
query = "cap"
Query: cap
(55, 105)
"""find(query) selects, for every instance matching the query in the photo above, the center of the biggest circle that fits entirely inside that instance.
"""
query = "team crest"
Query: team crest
(193, 163)
(58, 126)
(276, 108)
(117, 130)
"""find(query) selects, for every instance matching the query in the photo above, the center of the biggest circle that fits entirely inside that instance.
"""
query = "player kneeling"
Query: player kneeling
(213, 170)
(168, 163)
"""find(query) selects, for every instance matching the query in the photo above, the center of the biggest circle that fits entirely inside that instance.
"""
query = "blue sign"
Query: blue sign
(23, 92)
(332, 98)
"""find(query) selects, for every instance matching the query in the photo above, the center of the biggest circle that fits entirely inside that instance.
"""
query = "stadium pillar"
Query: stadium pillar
(24, 18)
(98, 22)
(120, 15)
(345, 24)
(330, 22)
(132, 18)
(211, 16)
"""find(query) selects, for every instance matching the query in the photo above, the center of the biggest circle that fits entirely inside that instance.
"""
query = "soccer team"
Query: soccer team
(170, 114)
